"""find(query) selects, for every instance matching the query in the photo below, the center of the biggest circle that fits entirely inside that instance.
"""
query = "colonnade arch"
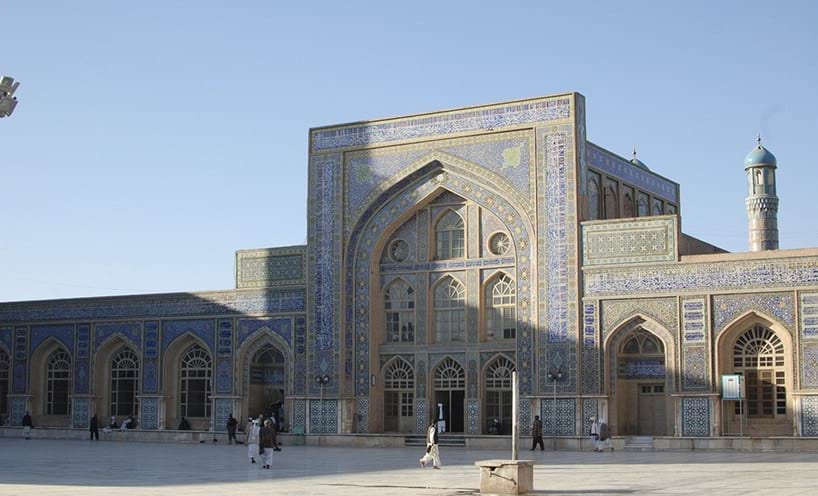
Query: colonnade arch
(41, 357)
(264, 380)
(639, 378)
(172, 381)
(760, 348)
(103, 380)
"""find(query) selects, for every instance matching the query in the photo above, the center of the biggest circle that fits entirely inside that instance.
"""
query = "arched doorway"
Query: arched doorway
(267, 382)
(640, 384)
(124, 383)
(498, 394)
(759, 353)
(399, 397)
(450, 392)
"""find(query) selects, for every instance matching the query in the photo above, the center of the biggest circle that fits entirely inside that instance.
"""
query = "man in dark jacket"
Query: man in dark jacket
(231, 429)
(27, 425)
(94, 428)
(536, 433)
(266, 444)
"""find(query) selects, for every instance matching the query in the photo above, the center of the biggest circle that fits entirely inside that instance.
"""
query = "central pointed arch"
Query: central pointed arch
(640, 377)
(268, 388)
(368, 240)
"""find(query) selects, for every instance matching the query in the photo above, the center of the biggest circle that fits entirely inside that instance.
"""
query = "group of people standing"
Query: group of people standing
(599, 433)
(261, 436)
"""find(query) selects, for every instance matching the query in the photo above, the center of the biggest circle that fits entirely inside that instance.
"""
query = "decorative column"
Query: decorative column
(761, 202)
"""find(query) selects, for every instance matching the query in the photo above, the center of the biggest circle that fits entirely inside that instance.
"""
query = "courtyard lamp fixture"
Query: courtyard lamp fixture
(554, 374)
(322, 380)
(7, 99)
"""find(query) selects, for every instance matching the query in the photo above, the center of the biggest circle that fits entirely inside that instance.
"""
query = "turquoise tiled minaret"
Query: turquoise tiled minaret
(762, 202)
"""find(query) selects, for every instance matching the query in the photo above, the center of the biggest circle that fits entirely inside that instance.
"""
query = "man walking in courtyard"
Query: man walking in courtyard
(252, 441)
(536, 433)
(231, 429)
(432, 451)
(27, 425)
(266, 444)
(94, 428)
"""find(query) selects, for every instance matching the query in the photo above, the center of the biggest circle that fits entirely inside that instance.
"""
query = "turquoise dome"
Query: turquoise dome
(635, 161)
(759, 156)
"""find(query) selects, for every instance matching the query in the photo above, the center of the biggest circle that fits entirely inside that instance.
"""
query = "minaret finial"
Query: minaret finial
(634, 152)
(758, 139)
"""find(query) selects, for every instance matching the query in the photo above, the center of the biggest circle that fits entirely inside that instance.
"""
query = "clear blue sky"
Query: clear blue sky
(153, 139)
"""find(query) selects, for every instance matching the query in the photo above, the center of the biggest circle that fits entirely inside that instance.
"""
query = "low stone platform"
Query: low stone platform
(506, 476)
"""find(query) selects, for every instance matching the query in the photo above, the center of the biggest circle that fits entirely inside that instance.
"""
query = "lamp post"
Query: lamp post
(7, 99)
(554, 375)
(321, 380)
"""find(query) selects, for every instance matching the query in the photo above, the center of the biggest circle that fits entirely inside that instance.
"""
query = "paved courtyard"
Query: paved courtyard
(42, 467)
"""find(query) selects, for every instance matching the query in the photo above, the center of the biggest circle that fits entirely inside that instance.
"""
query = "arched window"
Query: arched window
(593, 196)
(658, 206)
(399, 396)
(269, 367)
(5, 364)
(758, 354)
(399, 305)
(196, 375)
(450, 234)
(611, 199)
(499, 394)
(501, 299)
(642, 205)
(449, 375)
(450, 311)
(58, 383)
(627, 203)
(124, 382)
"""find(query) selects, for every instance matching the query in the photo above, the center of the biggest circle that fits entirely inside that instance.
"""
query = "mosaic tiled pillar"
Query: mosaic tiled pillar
(695, 417)
(809, 340)
(809, 416)
(473, 416)
(590, 409)
(420, 415)
(591, 376)
(19, 405)
(222, 408)
(82, 367)
(149, 416)
(80, 412)
(20, 360)
(525, 417)
(559, 420)
(324, 416)
(299, 421)
(695, 356)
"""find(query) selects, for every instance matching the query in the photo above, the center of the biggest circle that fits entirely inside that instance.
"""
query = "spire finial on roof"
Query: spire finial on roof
(634, 152)
(758, 139)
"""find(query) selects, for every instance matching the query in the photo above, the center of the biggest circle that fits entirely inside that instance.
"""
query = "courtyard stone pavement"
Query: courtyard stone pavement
(43, 467)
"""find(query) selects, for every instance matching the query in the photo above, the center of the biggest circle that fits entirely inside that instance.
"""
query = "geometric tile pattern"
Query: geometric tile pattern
(809, 365)
(525, 417)
(809, 316)
(81, 359)
(473, 416)
(247, 302)
(323, 416)
(727, 307)
(130, 332)
(18, 410)
(630, 241)
(149, 413)
(271, 267)
(565, 416)
(80, 416)
(420, 416)
(695, 355)
(662, 310)
(323, 260)
(698, 278)
(437, 124)
(224, 407)
(809, 416)
(64, 333)
(203, 329)
(590, 357)
(20, 360)
(300, 415)
(695, 417)
(590, 409)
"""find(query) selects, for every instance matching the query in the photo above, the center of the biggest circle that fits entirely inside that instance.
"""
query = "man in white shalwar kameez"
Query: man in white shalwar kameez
(432, 451)
(252, 441)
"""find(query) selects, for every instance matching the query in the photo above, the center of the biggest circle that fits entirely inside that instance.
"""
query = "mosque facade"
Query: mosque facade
(446, 250)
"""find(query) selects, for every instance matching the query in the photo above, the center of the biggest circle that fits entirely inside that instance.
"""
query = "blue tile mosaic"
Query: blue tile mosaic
(203, 329)
(695, 417)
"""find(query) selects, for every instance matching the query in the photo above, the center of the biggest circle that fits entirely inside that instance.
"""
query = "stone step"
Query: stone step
(639, 443)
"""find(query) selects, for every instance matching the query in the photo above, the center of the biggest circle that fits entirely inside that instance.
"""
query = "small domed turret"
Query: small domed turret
(635, 161)
(759, 156)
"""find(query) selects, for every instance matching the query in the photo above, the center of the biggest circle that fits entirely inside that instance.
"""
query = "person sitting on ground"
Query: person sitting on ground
(125, 424)
(113, 424)
(131, 422)
(184, 425)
